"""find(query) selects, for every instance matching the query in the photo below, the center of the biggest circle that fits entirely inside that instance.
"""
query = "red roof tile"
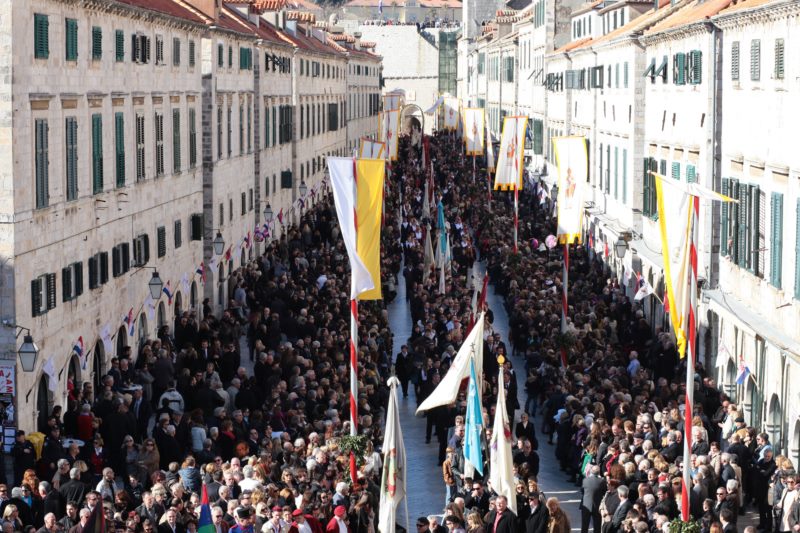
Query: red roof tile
(170, 7)
(694, 11)
(738, 5)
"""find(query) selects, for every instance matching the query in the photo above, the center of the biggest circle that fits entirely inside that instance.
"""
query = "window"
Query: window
(251, 200)
(230, 57)
(196, 221)
(755, 60)
(245, 58)
(333, 117)
(776, 239)
(779, 53)
(177, 235)
(161, 238)
(679, 69)
(509, 77)
(662, 70)
(220, 55)
(176, 141)
(742, 227)
(624, 174)
(42, 163)
(97, 43)
(97, 153)
(176, 52)
(192, 138)
(120, 259)
(695, 67)
(219, 133)
(98, 269)
(241, 129)
(625, 74)
(119, 148)
(649, 205)
(71, 281)
(141, 249)
(735, 61)
(244, 203)
(71, 39)
(191, 53)
(159, 131)
(230, 209)
(159, 50)
(616, 170)
(71, 151)
(676, 171)
(43, 294)
(140, 173)
(221, 214)
(119, 45)
(41, 36)
(249, 129)
(230, 131)
(140, 48)
(286, 179)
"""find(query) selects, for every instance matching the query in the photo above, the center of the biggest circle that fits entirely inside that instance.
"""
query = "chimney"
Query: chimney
(357, 36)
(208, 7)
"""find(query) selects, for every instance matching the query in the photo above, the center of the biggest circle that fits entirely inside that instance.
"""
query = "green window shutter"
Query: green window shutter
(241, 130)
(51, 291)
(735, 61)
(779, 54)
(176, 52)
(161, 238)
(78, 274)
(97, 153)
(178, 235)
(176, 140)
(119, 45)
(741, 227)
(191, 53)
(97, 42)
(140, 149)
(653, 190)
(230, 56)
(242, 59)
(776, 239)
(220, 55)
(679, 68)
(646, 186)
(691, 174)
(695, 67)
(41, 36)
(625, 74)
(71, 39)
(662, 168)
(94, 277)
(797, 251)
(266, 126)
(616, 172)
(36, 297)
(119, 148)
(71, 139)
(159, 131)
(755, 60)
(724, 217)
(42, 163)
(624, 175)
(66, 284)
(192, 138)
(676, 171)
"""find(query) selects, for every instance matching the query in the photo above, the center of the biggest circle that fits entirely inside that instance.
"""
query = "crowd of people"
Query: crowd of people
(182, 413)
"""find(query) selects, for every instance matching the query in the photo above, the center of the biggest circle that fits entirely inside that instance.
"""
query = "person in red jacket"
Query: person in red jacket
(338, 524)
(305, 523)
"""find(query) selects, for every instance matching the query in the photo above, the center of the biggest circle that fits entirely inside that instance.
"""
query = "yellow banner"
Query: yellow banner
(572, 162)
(369, 204)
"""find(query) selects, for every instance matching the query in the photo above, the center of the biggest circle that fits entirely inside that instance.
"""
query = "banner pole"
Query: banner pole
(354, 357)
(564, 302)
(516, 219)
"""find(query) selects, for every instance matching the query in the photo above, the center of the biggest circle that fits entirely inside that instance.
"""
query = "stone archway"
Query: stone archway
(794, 447)
(730, 380)
(122, 340)
(43, 403)
(193, 296)
(161, 315)
(178, 303)
(98, 360)
(774, 425)
(750, 404)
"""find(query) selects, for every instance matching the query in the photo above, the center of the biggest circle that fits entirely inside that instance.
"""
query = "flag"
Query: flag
(510, 160)
(474, 131)
(247, 240)
(205, 525)
(442, 286)
(723, 355)
(228, 253)
(128, 319)
(572, 164)
(447, 390)
(490, 162)
(474, 423)
(380, 6)
(79, 351)
(105, 335)
(440, 224)
(213, 263)
(744, 371)
(393, 479)
(185, 283)
(150, 307)
(429, 261)
(166, 290)
(201, 270)
(369, 149)
(626, 276)
(50, 370)
(426, 203)
(97, 520)
(359, 199)
(390, 131)
(451, 106)
(501, 471)
(280, 216)
(645, 289)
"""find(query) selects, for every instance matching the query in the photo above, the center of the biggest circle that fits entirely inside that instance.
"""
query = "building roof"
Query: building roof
(588, 6)
(175, 8)
(573, 45)
(740, 5)
(431, 4)
(261, 6)
(689, 12)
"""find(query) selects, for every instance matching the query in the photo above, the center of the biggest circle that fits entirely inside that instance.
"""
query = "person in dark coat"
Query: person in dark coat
(593, 489)
(762, 472)
(52, 500)
(526, 430)
(403, 367)
(538, 516)
(74, 490)
(622, 509)
(501, 520)
(24, 456)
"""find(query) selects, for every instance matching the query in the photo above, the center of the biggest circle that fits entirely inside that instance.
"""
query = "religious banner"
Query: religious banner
(8, 391)
(473, 130)
(369, 149)
(390, 130)
(572, 166)
(393, 101)
(451, 106)
(510, 162)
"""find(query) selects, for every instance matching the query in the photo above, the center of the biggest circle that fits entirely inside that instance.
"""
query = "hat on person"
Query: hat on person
(244, 512)
(277, 508)
(340, 511)
(297, 512)
(739, 419)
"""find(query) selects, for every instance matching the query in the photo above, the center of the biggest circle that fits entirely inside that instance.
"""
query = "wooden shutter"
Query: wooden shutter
(735, 61)
(51, 291)
(97, 153)
(97, 42)
(140, 148)
(695, 67)
(36, 297)
(103, 263)
(42, 161)
(679, 68)
(676, 171)
(779, 55)
(159, 134)
(77, 270)
(741, 229)
(71, 39)
(624, 174)
(41, 36)
(94, 274)
(116, 261)
(192, 138)
(161, 237)
(776, 239)
(119, 148)
(145, 49)
(126, 256)
(191, 53)
(136, 48)
(691, 174)
(119, 45)
(759, 228)
(197, 227)
(66, 284)
(176, 140)
(755, 60)
(646, 209)
(176, 52)
(178, 241)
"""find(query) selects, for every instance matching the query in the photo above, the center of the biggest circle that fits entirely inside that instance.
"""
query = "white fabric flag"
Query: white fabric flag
(344, 196)
(50, 370)
(393, 480)
(645, 290)
(501, 464)
(105, 335)
(447, 390)
(150, 306)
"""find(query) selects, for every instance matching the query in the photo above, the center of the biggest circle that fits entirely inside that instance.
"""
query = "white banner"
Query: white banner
(512, 152)
(572, 164)
(474, 129)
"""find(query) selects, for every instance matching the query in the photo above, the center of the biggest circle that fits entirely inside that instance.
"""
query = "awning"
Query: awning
(439, 101)
(754, 323)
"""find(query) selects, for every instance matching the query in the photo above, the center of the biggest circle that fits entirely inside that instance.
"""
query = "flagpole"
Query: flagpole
(691, 358)
(564, 301)
(516, 218)
(354, 355)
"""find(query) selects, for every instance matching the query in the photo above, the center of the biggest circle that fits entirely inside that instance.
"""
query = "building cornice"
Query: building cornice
(685, 31)
(758, 15)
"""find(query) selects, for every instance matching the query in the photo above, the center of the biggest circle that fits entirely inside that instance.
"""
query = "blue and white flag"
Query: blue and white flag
(474, 423)
(441, 226)
(741, 377)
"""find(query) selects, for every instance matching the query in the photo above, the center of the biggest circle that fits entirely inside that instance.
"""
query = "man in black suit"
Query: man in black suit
(150, 508)
(52, 500)
(621, 512)
(171, 524)
(477, 498)
(593, 488)
(403, 367)
(538, 517)
(74, 490)
(141, 410)
(726, 518)
(501, 520)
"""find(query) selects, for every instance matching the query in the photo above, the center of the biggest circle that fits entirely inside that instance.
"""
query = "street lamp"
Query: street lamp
(219, 244)
(620, 247)
(28, 351)
(155, 285)
(268, 213)
(302, 189)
